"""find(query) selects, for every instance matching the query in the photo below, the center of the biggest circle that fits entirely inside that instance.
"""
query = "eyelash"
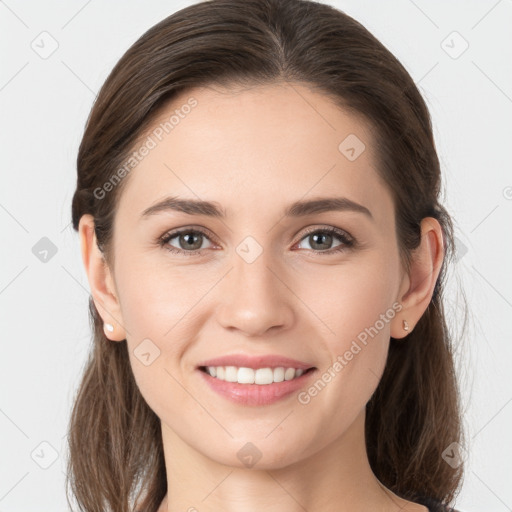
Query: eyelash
(348, 241)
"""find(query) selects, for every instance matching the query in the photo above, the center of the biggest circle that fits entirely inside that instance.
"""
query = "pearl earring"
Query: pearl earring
(109, 327)
(406, 325)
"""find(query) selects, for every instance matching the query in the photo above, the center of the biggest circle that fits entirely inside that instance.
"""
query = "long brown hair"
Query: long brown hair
(116, 457)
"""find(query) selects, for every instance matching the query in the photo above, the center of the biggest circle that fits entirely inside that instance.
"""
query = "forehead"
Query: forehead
(255, 149)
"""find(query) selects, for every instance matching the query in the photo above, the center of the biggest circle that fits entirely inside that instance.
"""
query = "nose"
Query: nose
(255, 298)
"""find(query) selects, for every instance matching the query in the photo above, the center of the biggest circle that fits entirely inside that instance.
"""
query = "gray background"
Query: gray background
(45, 98)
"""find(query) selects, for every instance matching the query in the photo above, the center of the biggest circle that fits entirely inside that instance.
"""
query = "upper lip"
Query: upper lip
(255, 362)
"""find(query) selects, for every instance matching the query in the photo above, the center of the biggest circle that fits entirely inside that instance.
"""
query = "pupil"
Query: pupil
(189, 236)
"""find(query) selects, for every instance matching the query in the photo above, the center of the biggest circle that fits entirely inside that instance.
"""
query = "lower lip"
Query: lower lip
(256, 394)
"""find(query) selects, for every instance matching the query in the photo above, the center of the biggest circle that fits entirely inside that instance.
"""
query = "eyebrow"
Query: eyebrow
(296, 209)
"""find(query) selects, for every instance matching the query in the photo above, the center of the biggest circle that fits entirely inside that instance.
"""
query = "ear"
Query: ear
(100, 280)
(417, 287)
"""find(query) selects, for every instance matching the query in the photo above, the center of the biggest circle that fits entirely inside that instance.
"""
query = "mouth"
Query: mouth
(245, 386)
(257, 376)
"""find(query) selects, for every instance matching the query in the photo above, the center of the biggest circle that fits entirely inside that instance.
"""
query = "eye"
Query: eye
(321, 238)
(189, 239)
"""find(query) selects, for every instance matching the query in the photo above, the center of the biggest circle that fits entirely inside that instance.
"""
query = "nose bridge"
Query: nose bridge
(254, 276)
(254, 298)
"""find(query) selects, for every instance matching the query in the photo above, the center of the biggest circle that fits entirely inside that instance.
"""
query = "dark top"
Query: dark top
(434, 505)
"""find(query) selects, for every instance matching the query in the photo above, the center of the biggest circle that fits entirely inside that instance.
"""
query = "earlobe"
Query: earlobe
(401, 327)
(424, 271)
(100, 281)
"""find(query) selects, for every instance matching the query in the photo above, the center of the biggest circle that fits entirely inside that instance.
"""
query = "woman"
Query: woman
(258, 208)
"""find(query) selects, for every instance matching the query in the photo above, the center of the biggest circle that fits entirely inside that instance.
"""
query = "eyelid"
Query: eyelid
(188, 229)
(329, 229)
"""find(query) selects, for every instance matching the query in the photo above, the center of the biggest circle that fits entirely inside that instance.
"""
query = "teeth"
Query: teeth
(260, 376)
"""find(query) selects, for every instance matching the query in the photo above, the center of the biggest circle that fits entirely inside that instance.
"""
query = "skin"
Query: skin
(255, 151)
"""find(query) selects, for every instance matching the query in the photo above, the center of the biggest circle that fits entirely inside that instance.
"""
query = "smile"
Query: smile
(259, 376)
(254, 387)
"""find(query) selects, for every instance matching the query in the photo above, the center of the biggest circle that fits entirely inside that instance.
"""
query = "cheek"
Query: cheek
(154, 297)
(351, 297)
(153, 313)
(357, 306)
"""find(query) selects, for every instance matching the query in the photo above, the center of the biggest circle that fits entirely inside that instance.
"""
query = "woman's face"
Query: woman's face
(258, 281)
